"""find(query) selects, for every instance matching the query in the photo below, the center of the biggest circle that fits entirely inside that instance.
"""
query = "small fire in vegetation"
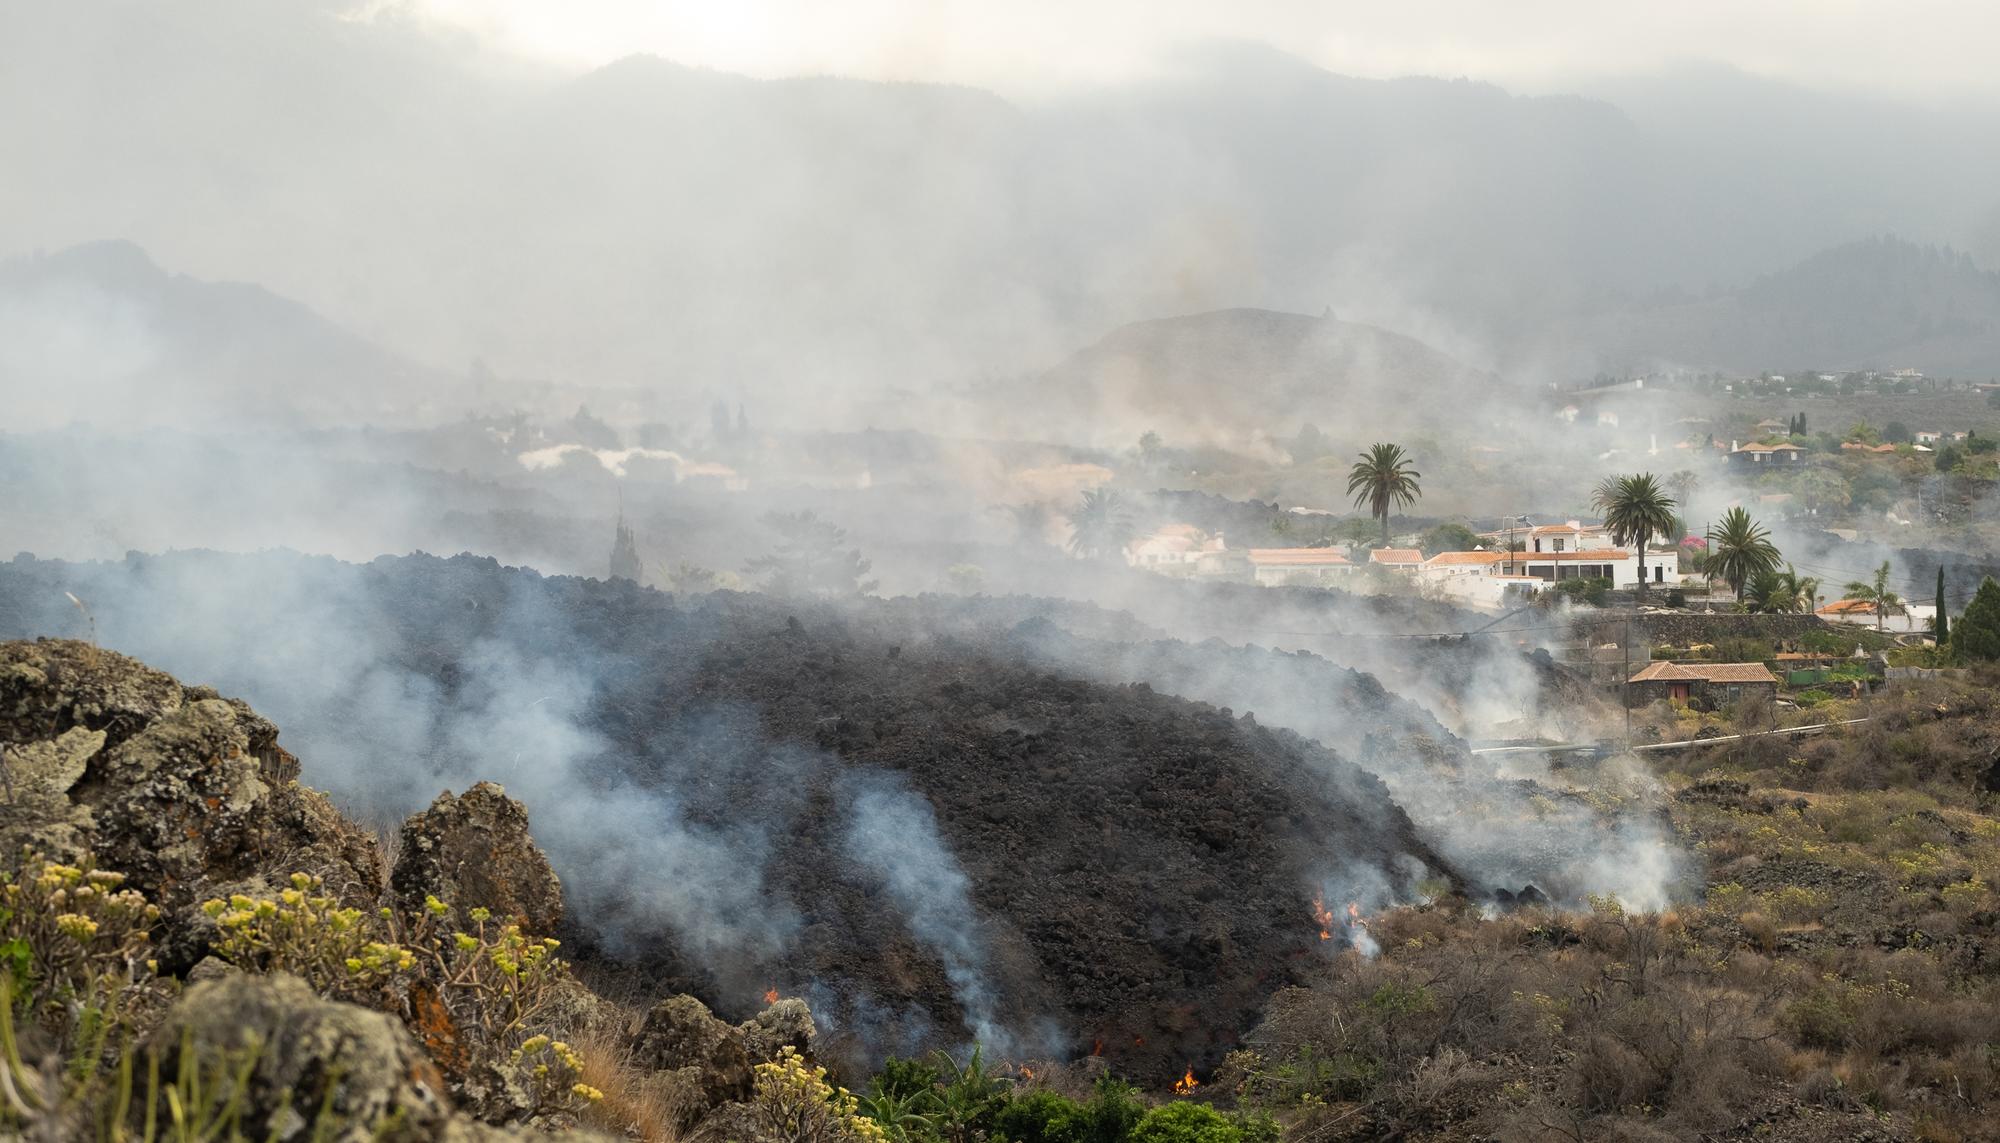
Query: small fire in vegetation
(770, 996)
(1187, 1083)
(1027, 1073)
(1097, 1047)
(1353, 928)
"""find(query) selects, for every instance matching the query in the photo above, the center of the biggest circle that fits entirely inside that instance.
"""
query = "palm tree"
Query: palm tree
(1381, 480)
(1738, 549)
(1637, 509)
(1101, 526)
(1774, 592)
(1876, 593)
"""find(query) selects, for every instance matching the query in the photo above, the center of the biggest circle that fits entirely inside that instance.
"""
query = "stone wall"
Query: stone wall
(1683, 628)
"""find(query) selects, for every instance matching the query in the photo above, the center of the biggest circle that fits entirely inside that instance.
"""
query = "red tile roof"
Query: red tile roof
(1298, 557)
(1671, 672)
(1448, 558)
(1395, 556)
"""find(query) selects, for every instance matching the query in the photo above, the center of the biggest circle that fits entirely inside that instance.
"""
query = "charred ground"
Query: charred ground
(1140, 867)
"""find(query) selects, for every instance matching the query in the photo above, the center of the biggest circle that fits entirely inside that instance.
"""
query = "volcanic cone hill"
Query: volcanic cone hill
(744, 794)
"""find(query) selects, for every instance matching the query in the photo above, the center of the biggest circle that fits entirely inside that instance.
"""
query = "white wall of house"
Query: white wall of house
(1915, 619)
(1301, 575)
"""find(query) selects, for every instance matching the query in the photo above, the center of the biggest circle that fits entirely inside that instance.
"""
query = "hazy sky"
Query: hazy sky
(1934, 50)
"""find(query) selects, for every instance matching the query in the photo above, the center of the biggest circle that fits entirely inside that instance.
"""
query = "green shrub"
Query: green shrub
(1112, 1112)
(1040, 1117)
(1186, 1122)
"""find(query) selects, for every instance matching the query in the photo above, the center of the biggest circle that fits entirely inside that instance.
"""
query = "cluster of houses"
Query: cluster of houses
(1518, 562)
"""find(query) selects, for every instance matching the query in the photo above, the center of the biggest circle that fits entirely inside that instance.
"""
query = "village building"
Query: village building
(1928, 436)
(1712, 685)
(1906, 619)
(1396, 559)
(1299, 567)
(1173, 545)
(1754, 453)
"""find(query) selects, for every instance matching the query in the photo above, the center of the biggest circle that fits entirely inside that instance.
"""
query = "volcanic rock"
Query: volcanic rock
(475, 849)
(185, 793)
(681, 1035)
(785, 1024)
(1113, 864)
(382, 1085)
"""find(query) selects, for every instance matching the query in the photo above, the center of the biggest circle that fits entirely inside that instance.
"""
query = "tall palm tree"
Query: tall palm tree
(1382, 480)
(1101, 526)
(1738, 549)
(1636, 510)
(1876, 593)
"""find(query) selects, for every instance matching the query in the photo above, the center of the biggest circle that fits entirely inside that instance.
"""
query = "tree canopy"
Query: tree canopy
(1738, 549)
(1383, 480)
(1976, 635)
(1636, 509)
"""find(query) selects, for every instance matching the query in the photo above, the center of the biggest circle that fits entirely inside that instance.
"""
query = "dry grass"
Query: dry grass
(637, 1104)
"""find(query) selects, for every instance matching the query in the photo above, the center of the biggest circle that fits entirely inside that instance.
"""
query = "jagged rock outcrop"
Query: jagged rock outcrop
(474, 848)
(310, 1052)
(787, 1023)
(707, 1055)
(185, 792)
(709, 1065)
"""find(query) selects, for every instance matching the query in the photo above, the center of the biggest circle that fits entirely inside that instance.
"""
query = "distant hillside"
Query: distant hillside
(1235, 373)
(1878, 303)
(803, 242)
(101, 333)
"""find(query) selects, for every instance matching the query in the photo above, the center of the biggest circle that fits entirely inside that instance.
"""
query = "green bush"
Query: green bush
(1186, 1122)
(1040, 1117)
(1811, 698)
(904, 1079)
(1592, 590)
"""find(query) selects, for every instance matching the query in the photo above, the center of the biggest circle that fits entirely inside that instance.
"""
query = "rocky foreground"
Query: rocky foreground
(191, 931)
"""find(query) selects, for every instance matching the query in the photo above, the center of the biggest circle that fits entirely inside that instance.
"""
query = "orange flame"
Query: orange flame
(1354, 911)
(1097, 1047)
(1324, 916)
(1027, 1072)
(771, 996)
(1187, 1083)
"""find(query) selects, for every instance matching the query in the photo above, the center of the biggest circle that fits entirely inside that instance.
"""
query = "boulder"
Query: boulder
(474, 849)
(186, 793)
(681, 1033)
(787, 1023)
(310, 1052)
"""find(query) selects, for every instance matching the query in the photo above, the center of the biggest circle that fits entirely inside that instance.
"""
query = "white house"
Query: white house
(1909, 619)
(1172, 545)
(1299, 567)
(1618, 565)
(1928, 436)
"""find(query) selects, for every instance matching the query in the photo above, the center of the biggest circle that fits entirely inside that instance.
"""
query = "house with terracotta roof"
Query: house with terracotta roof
(1619, 565)
(1905, 619)
(1299, 567)
(1711, 685)
(1766, 454)
(1396, 559)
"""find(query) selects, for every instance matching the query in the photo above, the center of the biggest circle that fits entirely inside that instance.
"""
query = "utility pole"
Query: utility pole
(1625, 680)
